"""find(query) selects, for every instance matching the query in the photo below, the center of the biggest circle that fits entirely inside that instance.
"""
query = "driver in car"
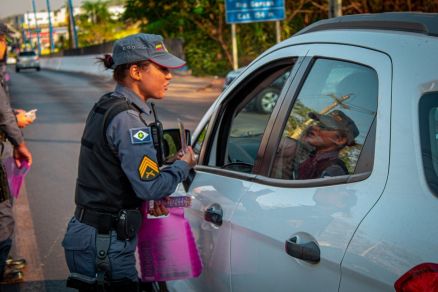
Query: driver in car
(329, 134)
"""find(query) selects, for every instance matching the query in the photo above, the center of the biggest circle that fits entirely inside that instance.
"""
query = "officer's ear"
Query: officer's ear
(135, 72)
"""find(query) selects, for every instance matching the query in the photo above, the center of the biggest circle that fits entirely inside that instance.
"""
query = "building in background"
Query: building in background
(26, 27)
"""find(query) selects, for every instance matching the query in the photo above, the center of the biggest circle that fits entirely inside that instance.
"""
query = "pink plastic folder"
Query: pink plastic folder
(166, 248)
(15, 175)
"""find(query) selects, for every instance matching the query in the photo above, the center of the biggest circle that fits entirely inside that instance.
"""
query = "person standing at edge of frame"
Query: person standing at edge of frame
(9, 131)
(118, 168)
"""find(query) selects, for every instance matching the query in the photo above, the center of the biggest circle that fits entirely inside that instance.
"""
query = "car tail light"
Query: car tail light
(36, 58)
(423, 277)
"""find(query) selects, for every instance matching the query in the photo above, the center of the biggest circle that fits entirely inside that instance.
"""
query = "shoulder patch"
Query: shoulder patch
(140, 135)
(148, 169)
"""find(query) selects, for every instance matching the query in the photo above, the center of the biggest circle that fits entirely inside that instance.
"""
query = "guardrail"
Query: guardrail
(82, 64)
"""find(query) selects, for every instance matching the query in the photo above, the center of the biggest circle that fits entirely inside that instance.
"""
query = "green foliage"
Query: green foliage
(201, 24)
(96, 25)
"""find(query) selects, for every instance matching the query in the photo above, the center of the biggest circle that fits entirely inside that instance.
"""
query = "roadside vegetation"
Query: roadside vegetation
(202, 27)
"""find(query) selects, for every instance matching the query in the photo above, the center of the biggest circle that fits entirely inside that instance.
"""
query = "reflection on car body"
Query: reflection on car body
(336, 231)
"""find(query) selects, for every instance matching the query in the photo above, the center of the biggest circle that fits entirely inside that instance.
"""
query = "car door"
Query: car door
(290, 233)
(231, 140)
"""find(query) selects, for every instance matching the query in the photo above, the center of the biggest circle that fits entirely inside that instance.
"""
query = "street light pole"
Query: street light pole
(52, 44)
(36, 27)
(73, 25)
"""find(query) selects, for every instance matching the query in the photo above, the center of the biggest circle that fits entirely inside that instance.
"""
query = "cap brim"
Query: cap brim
(168, 61)
(326, 120)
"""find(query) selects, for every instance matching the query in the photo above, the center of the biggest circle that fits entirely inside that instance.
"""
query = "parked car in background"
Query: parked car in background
(266, 99)
(259, 227)
(27, 60)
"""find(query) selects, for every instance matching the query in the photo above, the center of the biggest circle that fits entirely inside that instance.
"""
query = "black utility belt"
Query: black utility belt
(126, 222)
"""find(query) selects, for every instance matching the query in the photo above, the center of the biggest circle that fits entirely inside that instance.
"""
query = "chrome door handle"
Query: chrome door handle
(306, 251)
(214, 214)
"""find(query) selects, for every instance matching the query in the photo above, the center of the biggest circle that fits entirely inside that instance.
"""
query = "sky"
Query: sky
(13, 7)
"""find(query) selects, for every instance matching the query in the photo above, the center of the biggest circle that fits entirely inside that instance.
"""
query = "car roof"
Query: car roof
(415, 22)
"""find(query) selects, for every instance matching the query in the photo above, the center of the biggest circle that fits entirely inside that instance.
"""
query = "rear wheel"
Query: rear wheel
(38, 68)
(17, 69)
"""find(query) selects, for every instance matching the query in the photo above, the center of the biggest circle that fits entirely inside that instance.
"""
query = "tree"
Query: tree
(95, 24)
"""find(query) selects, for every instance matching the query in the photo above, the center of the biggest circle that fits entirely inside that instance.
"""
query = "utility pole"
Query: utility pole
(335, 8)
(72, 24)
(37, 29)
(52, 44)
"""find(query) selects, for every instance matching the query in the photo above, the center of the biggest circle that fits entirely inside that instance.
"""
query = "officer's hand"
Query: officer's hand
(189, 157)
(21, 152)
(159, 209)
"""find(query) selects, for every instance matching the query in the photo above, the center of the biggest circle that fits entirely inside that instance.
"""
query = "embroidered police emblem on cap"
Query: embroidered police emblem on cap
(140, 135)
(148, 169)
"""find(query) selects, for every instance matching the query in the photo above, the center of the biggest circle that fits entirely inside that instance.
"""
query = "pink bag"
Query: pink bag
(166, 248)
(15, 175)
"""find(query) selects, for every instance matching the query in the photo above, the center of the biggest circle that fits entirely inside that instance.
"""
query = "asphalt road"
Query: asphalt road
(44, 207)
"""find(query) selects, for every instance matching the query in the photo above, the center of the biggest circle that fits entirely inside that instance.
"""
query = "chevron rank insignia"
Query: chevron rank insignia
(148, 169)
(140, 135)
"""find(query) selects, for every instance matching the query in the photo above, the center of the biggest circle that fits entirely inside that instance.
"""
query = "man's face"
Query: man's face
(155, 81)
(323, 138)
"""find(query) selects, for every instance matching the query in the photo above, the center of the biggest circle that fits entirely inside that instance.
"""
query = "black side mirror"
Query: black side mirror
(172, 144)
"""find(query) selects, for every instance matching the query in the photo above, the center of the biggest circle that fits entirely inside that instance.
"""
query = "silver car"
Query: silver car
(27, 60)
(269, 213)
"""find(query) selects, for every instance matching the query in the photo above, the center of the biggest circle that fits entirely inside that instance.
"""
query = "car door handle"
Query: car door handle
(214, 214)
(306, 251)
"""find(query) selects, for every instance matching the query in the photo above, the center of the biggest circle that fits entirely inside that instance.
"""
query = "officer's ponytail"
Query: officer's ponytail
(107, 61)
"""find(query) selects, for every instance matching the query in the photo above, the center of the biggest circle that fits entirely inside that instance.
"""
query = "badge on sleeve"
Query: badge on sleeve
(148, 169)
(140, 135)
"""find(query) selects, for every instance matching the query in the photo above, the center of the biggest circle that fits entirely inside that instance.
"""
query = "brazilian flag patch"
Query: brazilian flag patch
(148, 169)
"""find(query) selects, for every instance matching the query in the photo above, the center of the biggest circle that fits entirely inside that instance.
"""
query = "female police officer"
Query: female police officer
(118, 168)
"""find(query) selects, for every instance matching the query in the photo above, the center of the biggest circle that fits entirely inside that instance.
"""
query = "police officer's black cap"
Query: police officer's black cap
(338, 120)
(142, 47)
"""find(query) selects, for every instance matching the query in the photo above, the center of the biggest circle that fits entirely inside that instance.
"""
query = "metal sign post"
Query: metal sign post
(73, 24)
(246, 11)
(234, 42)
(37, 30)
(52, 45)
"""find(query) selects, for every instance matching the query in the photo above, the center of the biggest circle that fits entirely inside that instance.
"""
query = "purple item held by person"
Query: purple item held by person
(15, 175)
(166, 247)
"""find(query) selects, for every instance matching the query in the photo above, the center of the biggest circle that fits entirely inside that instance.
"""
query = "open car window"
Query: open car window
(246, 115)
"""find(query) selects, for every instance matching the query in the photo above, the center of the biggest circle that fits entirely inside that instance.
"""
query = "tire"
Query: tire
(38, 68)
(266, 100)
(17, 70)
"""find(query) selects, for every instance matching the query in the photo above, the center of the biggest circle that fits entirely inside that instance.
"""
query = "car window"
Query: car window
(429, 138)
(27, 54)
(328, 123)
(246, 116)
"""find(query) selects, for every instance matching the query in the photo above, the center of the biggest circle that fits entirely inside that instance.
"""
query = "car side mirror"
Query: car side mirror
(172, 144)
